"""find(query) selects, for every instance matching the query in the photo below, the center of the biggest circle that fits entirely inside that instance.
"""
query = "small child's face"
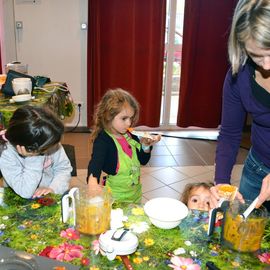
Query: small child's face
(122, 121)
(199, 199)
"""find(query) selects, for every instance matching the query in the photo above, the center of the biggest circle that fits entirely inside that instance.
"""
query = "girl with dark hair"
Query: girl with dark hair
(32, 160)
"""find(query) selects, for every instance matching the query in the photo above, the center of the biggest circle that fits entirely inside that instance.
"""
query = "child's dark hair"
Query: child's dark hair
(110, 105)
(189, 187)
(35, 128)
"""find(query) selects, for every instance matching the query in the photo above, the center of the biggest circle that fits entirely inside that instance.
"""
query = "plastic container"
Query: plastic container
(17, 66)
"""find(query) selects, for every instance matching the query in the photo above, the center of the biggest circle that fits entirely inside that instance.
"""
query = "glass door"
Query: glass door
(172, 63)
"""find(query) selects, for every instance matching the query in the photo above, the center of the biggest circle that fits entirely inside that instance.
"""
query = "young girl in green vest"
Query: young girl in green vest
(116, 152)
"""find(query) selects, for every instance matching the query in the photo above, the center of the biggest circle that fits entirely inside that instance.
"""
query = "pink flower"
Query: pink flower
(95, 246)
(70, 233)
(66, 252)
(180, 263)
(265, 258)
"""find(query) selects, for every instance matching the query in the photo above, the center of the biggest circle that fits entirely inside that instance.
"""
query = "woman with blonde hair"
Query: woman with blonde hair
(246, 90)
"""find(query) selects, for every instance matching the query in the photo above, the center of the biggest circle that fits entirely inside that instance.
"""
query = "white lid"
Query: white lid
(111, 248)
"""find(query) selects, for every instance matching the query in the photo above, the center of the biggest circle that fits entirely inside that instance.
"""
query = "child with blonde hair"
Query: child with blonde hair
(116, 151)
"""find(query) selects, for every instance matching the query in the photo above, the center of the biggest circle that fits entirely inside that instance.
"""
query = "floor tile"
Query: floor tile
(150, 183)
(168, 175)
(192, 170)
(162, 192)
(162, 161)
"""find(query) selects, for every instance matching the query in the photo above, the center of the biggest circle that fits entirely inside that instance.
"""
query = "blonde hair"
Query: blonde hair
(251, 21)
(189, 187)
(110, 105)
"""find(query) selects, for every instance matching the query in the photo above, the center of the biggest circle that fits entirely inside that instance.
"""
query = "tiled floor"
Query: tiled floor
(174, 163)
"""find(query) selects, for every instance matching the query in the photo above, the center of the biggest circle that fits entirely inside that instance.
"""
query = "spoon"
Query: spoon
(250, 208)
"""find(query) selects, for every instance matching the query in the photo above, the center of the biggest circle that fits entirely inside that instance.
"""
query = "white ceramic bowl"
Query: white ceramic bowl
(165, 213)
(22, 98)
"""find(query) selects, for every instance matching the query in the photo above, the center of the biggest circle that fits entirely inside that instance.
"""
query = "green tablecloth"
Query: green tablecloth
(55, 96)
(35, 226)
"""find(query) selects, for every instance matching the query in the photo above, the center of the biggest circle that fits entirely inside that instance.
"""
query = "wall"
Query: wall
(51, 42)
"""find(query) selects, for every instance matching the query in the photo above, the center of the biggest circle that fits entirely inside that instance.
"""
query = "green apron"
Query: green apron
(125, 185)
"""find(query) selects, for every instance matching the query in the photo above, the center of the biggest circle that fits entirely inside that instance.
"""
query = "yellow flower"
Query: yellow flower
(149, 242)
(236, 264)
(127, 224)
(205, 227)
(33, 236)
(35, 205)
(138, 211)
(145, 258)
(36, 227)
(137, 253)
(137, 260)
(94, 268)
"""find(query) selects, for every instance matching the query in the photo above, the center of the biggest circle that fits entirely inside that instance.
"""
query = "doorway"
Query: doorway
(172, 63)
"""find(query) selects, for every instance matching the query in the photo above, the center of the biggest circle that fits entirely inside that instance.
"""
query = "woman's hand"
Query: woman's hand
(215, 198)
(41, 191)
(265, 191)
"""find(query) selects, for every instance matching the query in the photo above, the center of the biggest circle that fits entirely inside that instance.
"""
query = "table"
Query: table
(54, 95)
(35, 226)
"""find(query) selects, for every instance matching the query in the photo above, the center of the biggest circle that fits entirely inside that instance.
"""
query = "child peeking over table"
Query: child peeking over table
(32, 160)
(197, 196)
(116, 151)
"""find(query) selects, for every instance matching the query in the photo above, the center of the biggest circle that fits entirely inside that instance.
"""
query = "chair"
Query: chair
(70, 151)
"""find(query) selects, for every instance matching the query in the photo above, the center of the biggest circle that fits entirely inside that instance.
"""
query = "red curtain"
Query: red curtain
(125, 49)
(204, 61)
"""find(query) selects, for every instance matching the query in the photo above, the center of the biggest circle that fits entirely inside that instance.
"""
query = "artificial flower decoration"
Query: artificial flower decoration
(46, 201)
(180, 263)
(66, 252)
(137, 260)
(149, 242)
(35, 205)
(95, 246)
(179, 251)
(139, 227)
(137, 211)
(94, 268)
(70, 233)
(264, 257)
(46, 251)
(85, 261)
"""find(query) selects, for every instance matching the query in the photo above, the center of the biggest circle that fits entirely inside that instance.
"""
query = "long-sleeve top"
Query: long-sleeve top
(104, 155)
(242, 95)
(25, 174)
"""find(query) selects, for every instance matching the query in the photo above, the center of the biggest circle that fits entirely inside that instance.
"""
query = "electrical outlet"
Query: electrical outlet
(79, 104)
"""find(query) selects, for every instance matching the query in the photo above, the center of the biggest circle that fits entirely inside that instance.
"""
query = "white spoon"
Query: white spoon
(250, 208)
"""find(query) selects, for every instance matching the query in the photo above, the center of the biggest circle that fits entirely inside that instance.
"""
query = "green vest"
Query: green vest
(125, 185)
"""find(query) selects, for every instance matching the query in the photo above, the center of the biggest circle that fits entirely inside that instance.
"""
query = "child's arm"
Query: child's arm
(61, 170)
(22, 174)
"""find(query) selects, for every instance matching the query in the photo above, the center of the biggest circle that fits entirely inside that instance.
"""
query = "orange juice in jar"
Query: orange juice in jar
(243, 235)
(93, 219)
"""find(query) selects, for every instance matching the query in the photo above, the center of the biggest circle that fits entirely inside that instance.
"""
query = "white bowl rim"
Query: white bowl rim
(181, 215)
